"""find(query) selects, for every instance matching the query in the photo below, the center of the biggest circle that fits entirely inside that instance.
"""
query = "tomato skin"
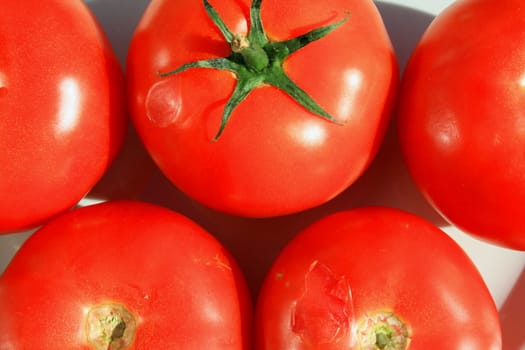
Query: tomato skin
(181, 285)
(274, 156)
(388, 260)
(461, 122)
(62, 106)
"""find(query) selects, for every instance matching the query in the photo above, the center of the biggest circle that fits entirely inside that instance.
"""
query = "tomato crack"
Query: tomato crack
(324, 314)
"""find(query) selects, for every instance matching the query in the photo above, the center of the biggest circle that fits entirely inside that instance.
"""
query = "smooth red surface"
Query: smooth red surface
(358, 262)
(461, 122)
(61, 105)
(182, 286)
(274, 156)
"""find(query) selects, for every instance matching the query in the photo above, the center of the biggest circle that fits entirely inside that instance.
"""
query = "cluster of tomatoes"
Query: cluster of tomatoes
(264, 113)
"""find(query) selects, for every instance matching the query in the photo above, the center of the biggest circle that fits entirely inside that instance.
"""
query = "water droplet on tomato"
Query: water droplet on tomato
(3, 84)
(164, 102)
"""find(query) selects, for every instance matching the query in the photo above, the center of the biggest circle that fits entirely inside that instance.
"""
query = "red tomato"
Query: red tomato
(371, 278)
(61, 106)
(461, 120)
(271, 155)
(143, 275)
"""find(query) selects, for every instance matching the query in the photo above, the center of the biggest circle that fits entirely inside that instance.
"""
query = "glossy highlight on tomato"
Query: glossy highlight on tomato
(461, 123)
(62, 109)
(374, 278)
(261, 137)
(123, 275)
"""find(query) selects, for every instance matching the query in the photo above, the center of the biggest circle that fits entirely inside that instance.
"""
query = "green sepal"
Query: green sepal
(215, 63)
(281, 81)
(259, 62)
(311, 36)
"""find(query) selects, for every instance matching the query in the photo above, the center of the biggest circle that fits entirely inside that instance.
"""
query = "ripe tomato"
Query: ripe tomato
(371, 278)
(168, 282)
(461, 121)
(61, 105)
(264, 140)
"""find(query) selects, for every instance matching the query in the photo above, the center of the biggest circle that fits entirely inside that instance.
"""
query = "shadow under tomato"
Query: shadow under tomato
(9, 245)
(512, 315)
(405, 27)
(128, 174)
(119, 21)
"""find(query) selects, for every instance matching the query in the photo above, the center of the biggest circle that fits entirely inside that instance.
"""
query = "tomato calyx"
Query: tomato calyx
(256, 61)
(110, 327)
(382, 331)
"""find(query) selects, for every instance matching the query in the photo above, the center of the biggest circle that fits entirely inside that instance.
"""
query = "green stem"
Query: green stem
(256, 61)
(253, 55)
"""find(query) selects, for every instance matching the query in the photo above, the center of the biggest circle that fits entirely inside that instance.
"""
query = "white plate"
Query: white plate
(406, 20)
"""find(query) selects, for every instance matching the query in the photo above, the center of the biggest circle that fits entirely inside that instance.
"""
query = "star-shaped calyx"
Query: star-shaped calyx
(255, 61)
